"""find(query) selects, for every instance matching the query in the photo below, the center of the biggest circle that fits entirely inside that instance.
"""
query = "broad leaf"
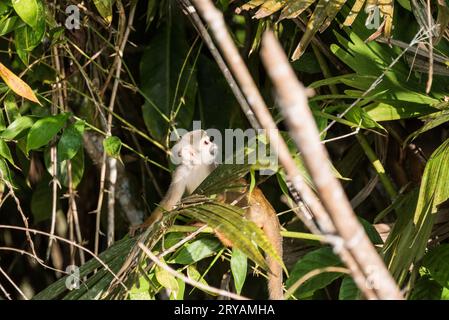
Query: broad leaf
(17, 127)
(436, 262)
(315, 260)
(45, 129)
(30, 11)
(196, 251)
(104, 7)
(238, 268)
(71, 141)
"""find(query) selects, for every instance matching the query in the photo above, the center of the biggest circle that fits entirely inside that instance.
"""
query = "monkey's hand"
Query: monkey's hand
(155, 216)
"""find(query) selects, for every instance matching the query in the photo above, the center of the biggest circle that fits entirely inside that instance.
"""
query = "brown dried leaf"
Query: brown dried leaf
(17, 85)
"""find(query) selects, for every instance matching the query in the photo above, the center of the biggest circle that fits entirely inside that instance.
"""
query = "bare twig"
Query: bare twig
(124, 31)
(7, 295)
(303, 129)
(56, 97)
(35, 231)
(188, 280)
(13, 284)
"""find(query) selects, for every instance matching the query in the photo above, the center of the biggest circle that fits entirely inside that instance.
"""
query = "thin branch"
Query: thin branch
(56, 97)
(188, 280)
(7, 295)
(303, 129)
(297, 186)
(2, 226)
(430, 75)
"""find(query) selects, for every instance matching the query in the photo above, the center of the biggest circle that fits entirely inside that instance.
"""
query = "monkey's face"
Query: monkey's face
(208, 149)
(195, 148)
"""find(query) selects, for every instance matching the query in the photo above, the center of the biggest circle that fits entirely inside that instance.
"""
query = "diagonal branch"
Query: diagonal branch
(303, 129)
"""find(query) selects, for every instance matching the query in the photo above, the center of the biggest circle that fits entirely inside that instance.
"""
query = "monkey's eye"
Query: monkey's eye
(206, 142)
(211, 139)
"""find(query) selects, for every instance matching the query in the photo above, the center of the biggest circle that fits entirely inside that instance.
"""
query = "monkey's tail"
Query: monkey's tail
(275, 282)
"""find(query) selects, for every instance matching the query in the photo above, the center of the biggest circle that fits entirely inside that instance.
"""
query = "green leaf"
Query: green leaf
(45, 129)
(28, 36)
(113, 257)
(218, 104)
(194, 274)
(178, 294)
(166, 279)
(5, 173)
(26, 39)
(112, 145)
(432, 121)
(63, 176)
(317, 259)
(307, 63)
(141, 290)
(104, 7)
(349, 290)
(436, 262)
(17, 127)
(5, 152)
(231, 223)
(426, 289)
(239, 267)
(8, 24)
(12, 111)
(30, 11)
(71, 141)
(77, 169)
(196, 251)
(372, 233)
(387, 112)
(409, 238)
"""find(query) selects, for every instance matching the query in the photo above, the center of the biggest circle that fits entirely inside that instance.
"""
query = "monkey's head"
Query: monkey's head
(195, 148)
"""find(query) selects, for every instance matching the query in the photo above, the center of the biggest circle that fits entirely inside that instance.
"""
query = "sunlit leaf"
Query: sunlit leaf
(30, 11)
(196, 251)
(112, 145)
(17, 85)
(104, 7)
(17, 127)
(166, 279)
(238, 268)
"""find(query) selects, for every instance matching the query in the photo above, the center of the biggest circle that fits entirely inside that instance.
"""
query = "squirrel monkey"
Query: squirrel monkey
(195, 155)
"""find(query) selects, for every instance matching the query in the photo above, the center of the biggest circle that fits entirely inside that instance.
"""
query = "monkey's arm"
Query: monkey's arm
(172, 197)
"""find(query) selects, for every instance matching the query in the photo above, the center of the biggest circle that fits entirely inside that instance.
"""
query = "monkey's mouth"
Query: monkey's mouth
(213, 149)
